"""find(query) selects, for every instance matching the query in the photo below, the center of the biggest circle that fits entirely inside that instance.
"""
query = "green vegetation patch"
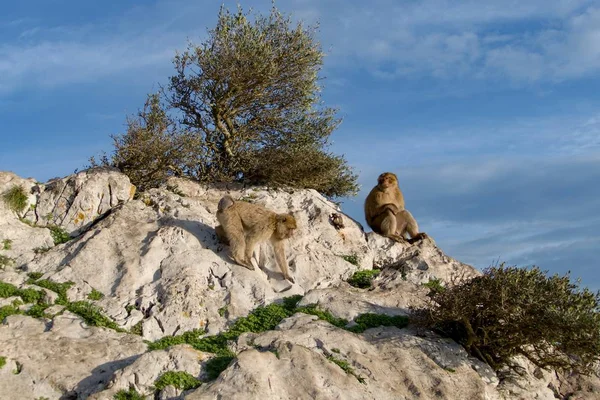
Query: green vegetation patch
(5, 311)
(27, 295)
(509, 310)
(59, 235)
(16, 198)
(92, 315)
(216, 365)
(7, 244)
(60, 288)
(434, 286)
(130, 394)
(2, 361)
(179, 379)
(363, 279)
(95, 295)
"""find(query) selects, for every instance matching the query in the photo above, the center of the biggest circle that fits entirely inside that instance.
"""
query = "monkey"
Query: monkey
(385, 212)
(245, 225)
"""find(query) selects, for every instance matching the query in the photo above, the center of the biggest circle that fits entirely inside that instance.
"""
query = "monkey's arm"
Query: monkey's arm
(279, 249)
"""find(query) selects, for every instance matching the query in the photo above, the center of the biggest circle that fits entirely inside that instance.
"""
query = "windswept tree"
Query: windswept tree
(152, 148)
(249, 95)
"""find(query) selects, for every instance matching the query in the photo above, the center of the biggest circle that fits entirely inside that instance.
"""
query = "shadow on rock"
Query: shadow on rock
(98, 380)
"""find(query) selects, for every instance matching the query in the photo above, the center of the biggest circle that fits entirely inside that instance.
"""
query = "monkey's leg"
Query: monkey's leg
(411, 227)
(279, 249)
(237, 240)
(253, 237)
(389, 225)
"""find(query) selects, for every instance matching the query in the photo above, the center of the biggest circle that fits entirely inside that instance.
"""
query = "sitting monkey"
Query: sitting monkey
(385, 213)
(244, 225)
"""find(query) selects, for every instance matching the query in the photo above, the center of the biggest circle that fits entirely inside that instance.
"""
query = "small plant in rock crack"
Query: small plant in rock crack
(130, 394)
(16, 198)
(178, 379)
(7, 244)
(363, 279)
(59, 235)
(95, 295)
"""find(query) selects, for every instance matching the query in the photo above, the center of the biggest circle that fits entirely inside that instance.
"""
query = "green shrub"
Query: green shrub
(510, 311)
(95, 295)
(179, 379)
(92, 315)
(130, 394)
(363, 279)
(216, 365)
(137, 329)
(27, 295)
(2, 361)
(435, 286)
(5, 311)
(16, 198)
(6, 244)
(60, 288)
(59, 235)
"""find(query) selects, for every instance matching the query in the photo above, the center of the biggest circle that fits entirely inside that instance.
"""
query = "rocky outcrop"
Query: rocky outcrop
(153, 266)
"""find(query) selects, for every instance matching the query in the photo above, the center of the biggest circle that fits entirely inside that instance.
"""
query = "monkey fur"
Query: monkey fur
(245, 225)
(385, 212)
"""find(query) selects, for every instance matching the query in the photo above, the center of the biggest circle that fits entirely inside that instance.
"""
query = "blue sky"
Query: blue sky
(488, 111)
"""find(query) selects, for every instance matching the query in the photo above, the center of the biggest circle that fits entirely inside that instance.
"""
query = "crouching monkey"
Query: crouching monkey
(245, 225)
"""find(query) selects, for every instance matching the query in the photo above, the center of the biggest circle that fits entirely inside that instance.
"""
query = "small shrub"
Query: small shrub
(92, 315)
(179, 379)
(7, 244)
(59, 235)
(16, 198)
(137, 329)
(222, 311)
(60, 288)
(434, 286)
(130, 394)
(95, 295)
(215, 366)
(34, 276)
(37, 310)
(27, 295)
(368, 320)
(364, 278)
(324, 315)
(352, 259)
(510, 311)
(5, 311)
(2, 361)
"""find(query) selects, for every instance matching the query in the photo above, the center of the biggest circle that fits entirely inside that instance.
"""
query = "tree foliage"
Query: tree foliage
(510, 311)
(244, 105)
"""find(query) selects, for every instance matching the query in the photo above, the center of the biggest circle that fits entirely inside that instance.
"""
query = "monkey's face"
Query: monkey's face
(286, 225)
(387, 180)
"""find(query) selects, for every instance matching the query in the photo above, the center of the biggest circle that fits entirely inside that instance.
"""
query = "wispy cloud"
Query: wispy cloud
(523, 42)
